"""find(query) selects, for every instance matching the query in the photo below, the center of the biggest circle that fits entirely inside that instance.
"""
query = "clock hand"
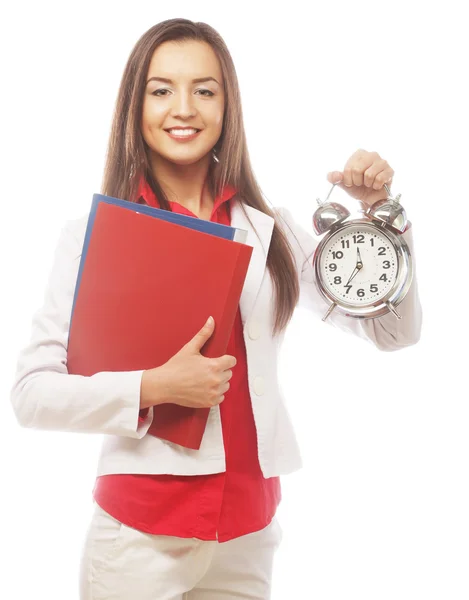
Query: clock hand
(359, 258)
(354, 272)
(355, 269)
(358, 266)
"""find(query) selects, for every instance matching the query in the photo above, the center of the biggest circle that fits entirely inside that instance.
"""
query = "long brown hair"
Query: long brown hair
(127, 157)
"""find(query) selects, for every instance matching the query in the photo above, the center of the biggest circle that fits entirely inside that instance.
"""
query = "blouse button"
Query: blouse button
(254, 330)
(259, 386)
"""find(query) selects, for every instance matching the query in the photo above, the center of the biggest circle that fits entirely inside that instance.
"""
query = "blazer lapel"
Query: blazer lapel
(264, 225)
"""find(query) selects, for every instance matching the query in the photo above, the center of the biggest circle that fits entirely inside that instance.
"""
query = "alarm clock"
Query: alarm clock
(363, 266)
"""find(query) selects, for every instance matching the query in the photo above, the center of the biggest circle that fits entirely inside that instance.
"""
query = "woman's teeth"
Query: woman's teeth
(182, 132)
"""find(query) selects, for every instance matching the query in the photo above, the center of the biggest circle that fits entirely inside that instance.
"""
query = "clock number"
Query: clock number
(337, 280)
(332, 267)
(349, 287)
(360, 293)
(338, 254)
(359, 239)
(382, 251)
(372, 240)
(383, 277)
(386, 264)
(345, 243)
(373, 287)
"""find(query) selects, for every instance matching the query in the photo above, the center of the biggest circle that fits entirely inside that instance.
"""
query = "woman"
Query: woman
(173, 523)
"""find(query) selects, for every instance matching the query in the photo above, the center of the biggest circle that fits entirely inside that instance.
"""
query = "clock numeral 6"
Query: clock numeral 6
(360, 293)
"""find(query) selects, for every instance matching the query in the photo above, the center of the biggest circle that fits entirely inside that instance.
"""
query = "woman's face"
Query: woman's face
(183, 102)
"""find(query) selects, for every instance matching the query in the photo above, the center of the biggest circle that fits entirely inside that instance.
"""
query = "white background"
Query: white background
(380, 509)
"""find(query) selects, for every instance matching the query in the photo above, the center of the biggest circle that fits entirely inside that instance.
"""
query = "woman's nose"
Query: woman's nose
(183, 104)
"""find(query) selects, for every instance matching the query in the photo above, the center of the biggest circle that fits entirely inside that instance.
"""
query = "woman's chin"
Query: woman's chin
(185, 159)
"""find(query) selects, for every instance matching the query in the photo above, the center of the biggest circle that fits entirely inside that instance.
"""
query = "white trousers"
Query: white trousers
(122, 563)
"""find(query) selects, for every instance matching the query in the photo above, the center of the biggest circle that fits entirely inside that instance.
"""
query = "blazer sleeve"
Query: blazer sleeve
(387, 333)
(44, 395)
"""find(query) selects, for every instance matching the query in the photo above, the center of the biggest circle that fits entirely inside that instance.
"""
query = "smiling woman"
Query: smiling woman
(172, 522)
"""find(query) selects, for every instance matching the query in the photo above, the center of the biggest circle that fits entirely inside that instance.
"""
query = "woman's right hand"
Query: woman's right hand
(189, 378)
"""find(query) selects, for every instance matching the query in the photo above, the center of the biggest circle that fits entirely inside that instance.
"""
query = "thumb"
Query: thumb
(202, 336)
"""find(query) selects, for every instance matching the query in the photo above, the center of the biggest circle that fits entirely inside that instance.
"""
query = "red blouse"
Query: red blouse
(219, 506)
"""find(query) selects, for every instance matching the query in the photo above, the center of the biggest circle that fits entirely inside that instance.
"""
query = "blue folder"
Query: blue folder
(218, 229)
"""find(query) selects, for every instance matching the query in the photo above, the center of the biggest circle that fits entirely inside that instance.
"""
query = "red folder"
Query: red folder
(147, 287)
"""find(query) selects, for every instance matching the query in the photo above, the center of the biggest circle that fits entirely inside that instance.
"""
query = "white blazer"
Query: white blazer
(45, 396)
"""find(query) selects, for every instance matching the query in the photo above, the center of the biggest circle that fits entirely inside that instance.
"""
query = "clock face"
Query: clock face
(358, 265)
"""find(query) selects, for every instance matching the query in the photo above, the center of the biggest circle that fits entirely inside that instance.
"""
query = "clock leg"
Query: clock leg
(393, 310)
(331, 308)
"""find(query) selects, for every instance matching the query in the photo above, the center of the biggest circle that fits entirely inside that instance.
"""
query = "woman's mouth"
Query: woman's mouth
(183, 135)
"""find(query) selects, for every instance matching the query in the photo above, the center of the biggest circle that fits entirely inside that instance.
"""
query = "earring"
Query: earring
(214, 155)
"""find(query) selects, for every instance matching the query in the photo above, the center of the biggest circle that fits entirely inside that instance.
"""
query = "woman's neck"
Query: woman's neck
(185, 184)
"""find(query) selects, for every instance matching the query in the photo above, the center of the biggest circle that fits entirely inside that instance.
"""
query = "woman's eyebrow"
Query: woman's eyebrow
(199, 80)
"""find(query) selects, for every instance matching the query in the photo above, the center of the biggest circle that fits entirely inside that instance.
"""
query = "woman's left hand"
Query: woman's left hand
(364, 176)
